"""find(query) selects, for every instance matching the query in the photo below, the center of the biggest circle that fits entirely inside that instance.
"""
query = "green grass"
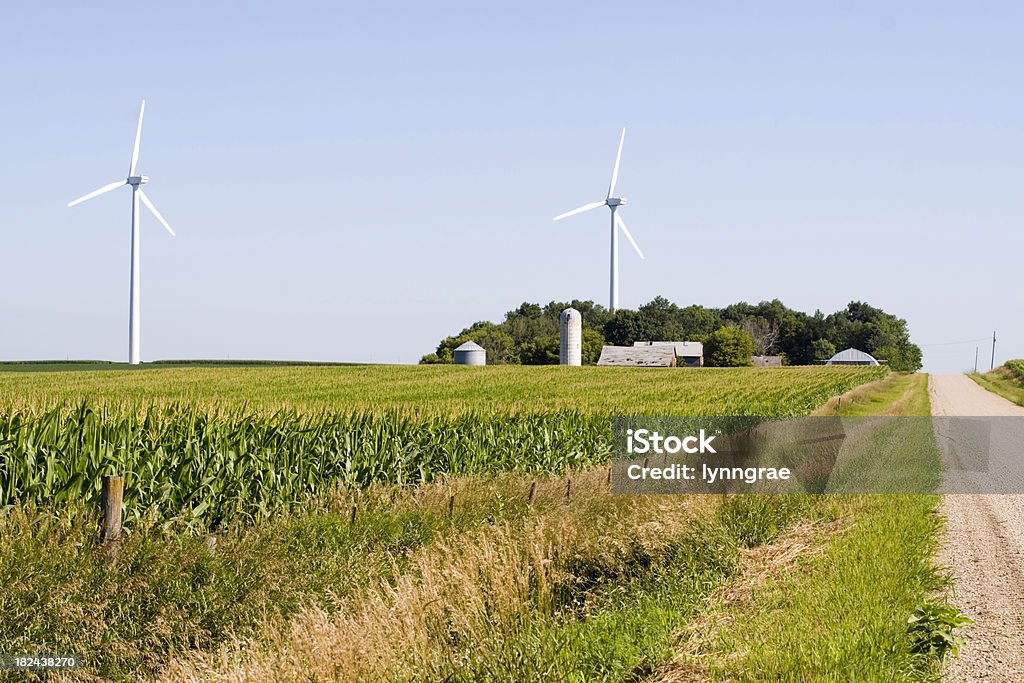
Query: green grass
(841, 614)
(1006, 381)
(897, 394)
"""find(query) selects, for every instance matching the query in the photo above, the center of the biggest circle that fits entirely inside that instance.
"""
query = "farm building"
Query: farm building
(852, 357)
(638, 356)
(766, 361)
(470, 353)
(688, 353)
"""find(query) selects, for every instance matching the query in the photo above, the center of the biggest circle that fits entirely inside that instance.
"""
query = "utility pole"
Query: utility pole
(993, 364)
(976, 359)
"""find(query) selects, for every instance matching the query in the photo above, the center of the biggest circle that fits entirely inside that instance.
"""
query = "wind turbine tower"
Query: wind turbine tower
(613, 203)
(136, 182)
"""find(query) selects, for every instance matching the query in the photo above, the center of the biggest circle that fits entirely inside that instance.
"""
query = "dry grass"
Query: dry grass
(458, 595)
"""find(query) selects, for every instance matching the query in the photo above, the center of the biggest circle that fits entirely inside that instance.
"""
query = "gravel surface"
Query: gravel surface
(984, 549)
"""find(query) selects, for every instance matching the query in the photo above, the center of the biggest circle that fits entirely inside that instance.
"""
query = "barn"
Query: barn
(638, 356)
(688, 353)
(852, 357)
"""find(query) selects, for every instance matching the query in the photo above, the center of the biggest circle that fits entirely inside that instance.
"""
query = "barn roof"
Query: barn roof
(852, 357)
(685, 349)
(638, 356)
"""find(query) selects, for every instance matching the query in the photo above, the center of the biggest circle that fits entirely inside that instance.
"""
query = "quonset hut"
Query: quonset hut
(852, 357)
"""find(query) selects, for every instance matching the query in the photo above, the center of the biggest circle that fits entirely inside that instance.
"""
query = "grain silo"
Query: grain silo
(570, 347)
(470, 353)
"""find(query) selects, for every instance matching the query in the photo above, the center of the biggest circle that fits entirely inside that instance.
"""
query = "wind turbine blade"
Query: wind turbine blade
(138, 139)
(615, 170)
(97, 193)
(585, 207)
(149, 205)
(625, 231)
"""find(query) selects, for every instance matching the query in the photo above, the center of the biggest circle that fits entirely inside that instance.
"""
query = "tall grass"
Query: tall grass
(589, 592)
(169, 593)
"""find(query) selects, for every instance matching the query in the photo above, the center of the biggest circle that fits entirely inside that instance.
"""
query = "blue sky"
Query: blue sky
(356, 181)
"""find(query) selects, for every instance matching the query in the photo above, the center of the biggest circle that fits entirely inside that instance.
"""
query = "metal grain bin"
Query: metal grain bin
(470, 353)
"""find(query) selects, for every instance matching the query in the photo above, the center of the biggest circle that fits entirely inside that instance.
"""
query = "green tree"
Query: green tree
(623, 328)
(902, 359)
(728, 347)
(529, 333)
(822, 349)
(660, 321)
(593, 342)
(539, 351)
(495, 340)
(697, 322)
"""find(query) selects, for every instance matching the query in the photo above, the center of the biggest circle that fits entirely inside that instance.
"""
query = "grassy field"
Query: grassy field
(451, 390)
(1006, 380)
(523, 567)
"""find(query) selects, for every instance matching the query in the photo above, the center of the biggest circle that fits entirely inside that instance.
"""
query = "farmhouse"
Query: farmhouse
(688, 353)
(650, 356)
(851, 357)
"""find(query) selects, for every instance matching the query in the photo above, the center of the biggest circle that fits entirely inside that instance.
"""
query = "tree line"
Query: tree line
(529, 334)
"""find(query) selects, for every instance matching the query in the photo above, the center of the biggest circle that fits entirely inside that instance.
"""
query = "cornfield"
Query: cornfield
(194, 456)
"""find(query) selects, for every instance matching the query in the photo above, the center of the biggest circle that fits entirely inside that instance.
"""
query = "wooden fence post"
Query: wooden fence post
(112, 498)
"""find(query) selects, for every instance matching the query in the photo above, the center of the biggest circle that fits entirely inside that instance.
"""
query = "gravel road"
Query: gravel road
(984, 549)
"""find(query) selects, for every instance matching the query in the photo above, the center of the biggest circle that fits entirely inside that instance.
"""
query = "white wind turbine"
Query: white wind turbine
(136, 182)
(613, 203)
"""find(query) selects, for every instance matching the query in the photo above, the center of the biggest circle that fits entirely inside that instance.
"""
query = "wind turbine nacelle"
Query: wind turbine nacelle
(138, 179)
(615, 201)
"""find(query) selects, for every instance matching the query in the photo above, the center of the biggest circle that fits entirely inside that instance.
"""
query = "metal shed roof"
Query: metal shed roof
(852, 357)
(685, 349)
(638, 356)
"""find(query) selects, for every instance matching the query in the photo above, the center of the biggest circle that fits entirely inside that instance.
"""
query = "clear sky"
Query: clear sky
(354, 181)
